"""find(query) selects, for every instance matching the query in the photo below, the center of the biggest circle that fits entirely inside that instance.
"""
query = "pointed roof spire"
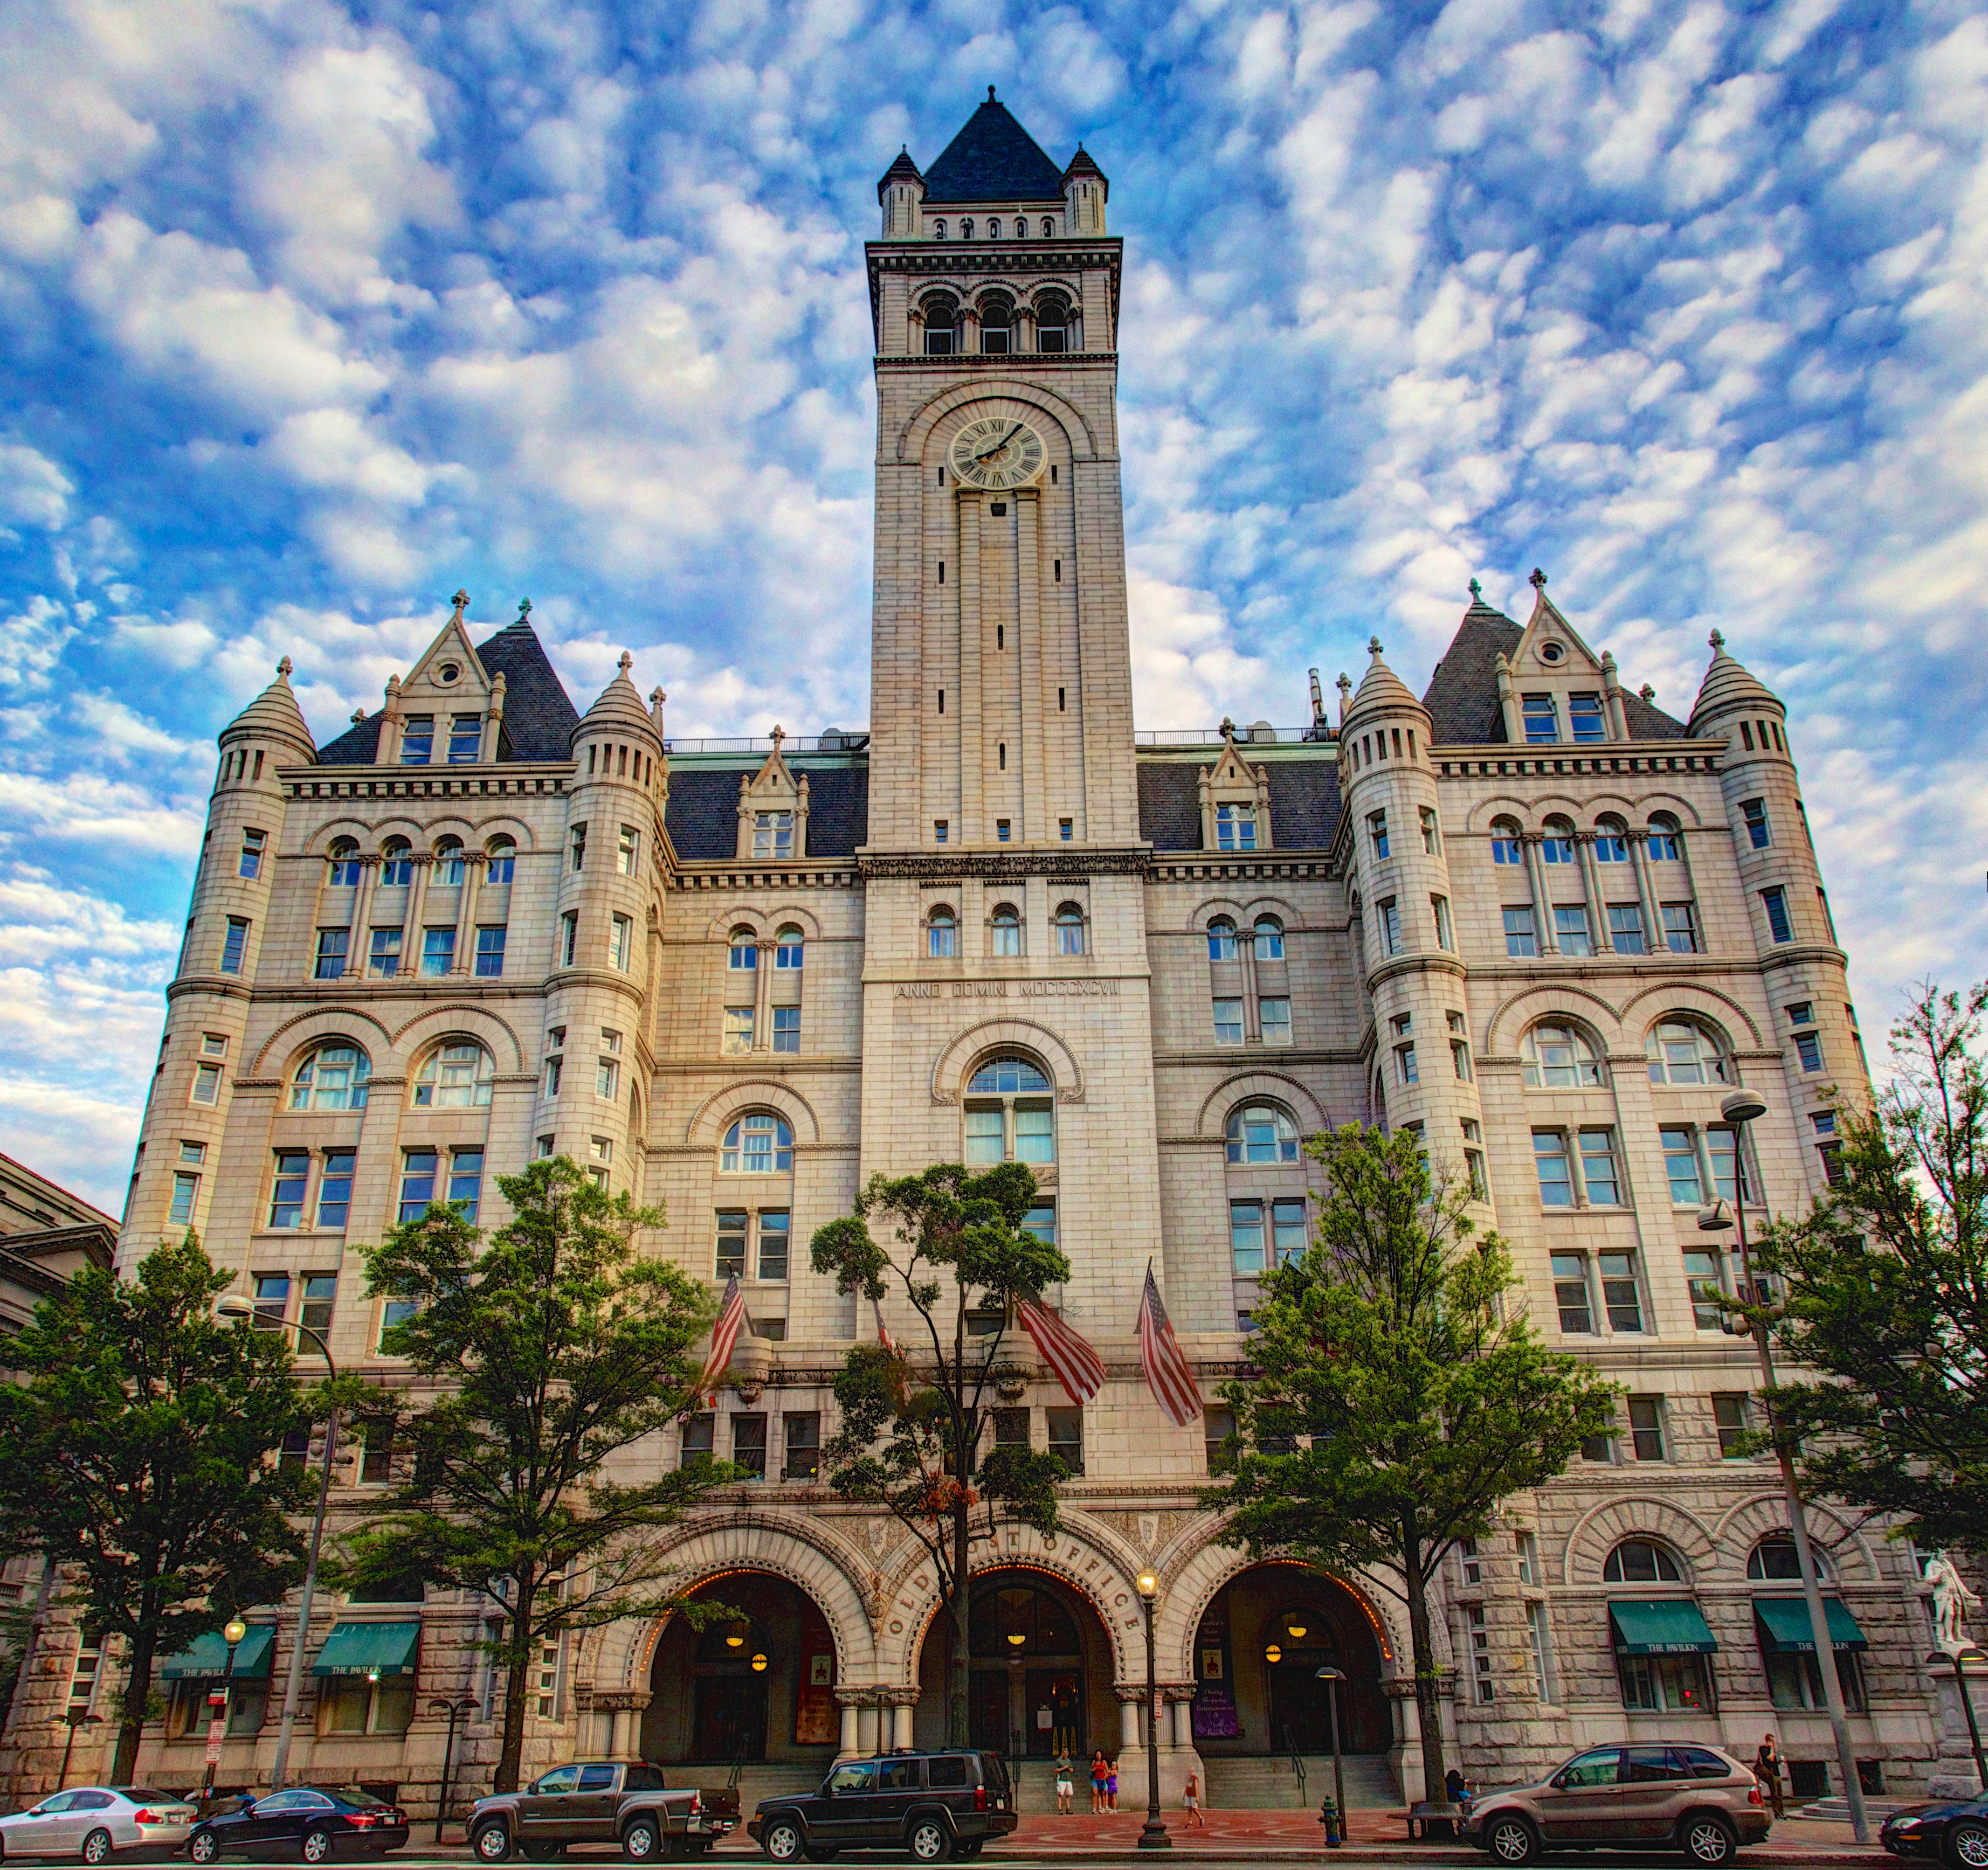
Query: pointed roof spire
(1729, 686)
(992, 159)
(274, 712)
(1381, 687)
(902, 168)
(619, 709)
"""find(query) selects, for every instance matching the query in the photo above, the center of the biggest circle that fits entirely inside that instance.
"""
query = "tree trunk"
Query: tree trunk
(1429, 1702)
(517, 1690)
(137, 1692)
(957, 1665)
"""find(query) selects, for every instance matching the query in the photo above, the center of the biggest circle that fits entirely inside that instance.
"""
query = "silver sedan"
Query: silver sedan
(97, 1823)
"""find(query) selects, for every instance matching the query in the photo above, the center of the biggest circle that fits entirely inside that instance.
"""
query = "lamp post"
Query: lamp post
(1969, 1652)
(1740, 1109)
(1332, 1678)
(237, 1310)
(76, 1717)
(231, 1633)
(1153, 1836)
(454, 1710)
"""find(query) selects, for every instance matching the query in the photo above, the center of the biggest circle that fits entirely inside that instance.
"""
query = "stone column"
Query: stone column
(418, 897)
(1543, 919)
(762, 990)
(1131, 1728)
(1646, 888)
(867, 1713)
(362, 909)
(905, 1706)
(1591, 882)
(849, 1700)
(465, 913)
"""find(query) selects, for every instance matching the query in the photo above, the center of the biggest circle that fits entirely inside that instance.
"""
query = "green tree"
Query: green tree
(1401, 1394)
(1886, 1290)
(135, 1450)
(547, 1352)
(912, 1423)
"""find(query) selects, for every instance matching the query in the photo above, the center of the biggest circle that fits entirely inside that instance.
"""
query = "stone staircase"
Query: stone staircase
(1270, 1784)
(755, 1782)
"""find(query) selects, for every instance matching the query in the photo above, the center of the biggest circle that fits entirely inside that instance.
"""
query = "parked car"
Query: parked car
(596, 1801)
(1954, 1829)
(97, 1823)
(317, 1822)
(1657, 1795)
(934, 1805)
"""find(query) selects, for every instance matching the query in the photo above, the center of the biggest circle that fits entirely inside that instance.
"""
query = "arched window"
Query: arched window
(1052, 322)
(1007, 929)
(1261, 1133)
(942, 935)
(1049, 229)
(787, 948)
(941, 317)
(332, 1077)
(1611, 840)
(1774, 1559)
(1023, 1623)
(343, 873)
(939, 230)
(454, 1076)
(1682, 1051)
(1269, 938)
(994, 228)
(1505, 842)
(1640, 1561)
(1010, 1114)
(759, 1144)
(1664, 847)
(396, 863)
(1222, 939)
(1558, 1056)
(503, 856)
(449, 864)
(1070, 930)
(966, 228)
(997, 320)
(1557, 845)
(743, 954)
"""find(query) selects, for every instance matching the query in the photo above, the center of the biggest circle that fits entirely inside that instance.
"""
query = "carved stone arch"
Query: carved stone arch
(1557, 805)
(454, 825)
(1745, 1525)
(1286, 911)
(1620, 804)
(1274, 1087)
(319, 838)
(1499, 804)
(1188, 1585)
(1678, 993)
(917, 429)
(1604, 1527)
(738, 916)
(1539, 1000)
(949, 1069)
(507, 825)
(400, 825)
(810, 923)
(1686, 814)
(785, 1545)
(466, 1017)
(324, 1023)
(712, 1118)
(1209, 907)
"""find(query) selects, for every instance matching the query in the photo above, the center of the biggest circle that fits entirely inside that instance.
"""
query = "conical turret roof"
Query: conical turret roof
(1381, 687)
(1729, 684)
(274, 712)
(619, 709)
(903, 170)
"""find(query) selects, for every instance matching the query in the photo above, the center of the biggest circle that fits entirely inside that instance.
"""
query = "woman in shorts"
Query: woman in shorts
(1191, 1797)
(1098, 1774)
(1111, 1785)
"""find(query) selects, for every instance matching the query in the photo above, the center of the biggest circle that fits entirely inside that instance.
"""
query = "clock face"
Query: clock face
(997, 451)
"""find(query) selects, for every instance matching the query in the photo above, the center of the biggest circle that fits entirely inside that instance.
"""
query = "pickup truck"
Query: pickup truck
(595, 1801)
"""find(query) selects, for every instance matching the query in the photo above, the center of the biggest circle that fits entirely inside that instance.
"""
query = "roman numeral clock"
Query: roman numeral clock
(996, 452)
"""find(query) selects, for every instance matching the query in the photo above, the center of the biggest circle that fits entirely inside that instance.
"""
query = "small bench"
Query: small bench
(1425, 1820)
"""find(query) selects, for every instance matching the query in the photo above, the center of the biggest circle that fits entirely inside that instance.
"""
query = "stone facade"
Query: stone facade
(736, 978)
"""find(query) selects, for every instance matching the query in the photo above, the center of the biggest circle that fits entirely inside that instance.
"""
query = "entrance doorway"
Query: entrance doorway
(731, 1718)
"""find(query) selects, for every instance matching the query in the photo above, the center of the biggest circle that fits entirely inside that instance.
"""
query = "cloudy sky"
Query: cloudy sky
(310, 312)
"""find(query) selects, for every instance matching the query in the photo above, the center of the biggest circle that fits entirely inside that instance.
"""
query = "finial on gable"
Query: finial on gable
(1228, 728)
(1476, 591)
(1538, 581)
(1373, 647)
(461, 600)
(524, 609)
(358, 715)
(283, 669)
(1717, 641)
(1344, 684)
(656, 697)
(779, 734)
(990, 94)
(1648, 692)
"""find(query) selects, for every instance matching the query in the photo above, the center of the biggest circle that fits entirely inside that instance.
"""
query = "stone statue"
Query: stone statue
(1950, 1601)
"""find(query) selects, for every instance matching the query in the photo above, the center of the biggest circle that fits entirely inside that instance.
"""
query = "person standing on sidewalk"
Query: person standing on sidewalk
(1767, 1770)
(1098, 1776)
(1191, 1798)
(1066, 1786)
(1111, 1785)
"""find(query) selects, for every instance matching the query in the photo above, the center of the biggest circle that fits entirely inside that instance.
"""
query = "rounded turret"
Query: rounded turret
(1085, 191)
(901, 193)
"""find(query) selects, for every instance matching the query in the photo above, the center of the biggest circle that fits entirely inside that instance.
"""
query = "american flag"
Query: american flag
(883, 1337)
(1075, 1363)
(723, 1335)
(1167, 1372)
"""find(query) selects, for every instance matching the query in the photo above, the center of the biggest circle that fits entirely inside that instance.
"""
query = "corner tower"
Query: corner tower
(1002, 682)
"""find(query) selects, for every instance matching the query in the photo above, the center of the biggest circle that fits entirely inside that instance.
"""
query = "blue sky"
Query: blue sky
(309, 313)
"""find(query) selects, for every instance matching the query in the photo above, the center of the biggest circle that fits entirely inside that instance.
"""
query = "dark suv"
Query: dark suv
(934, 1805)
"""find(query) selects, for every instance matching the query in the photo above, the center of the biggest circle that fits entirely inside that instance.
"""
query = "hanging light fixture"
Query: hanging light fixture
(758, 1664)
(1295, 1630)
(735, 1638)
(1273, 1654)
(1017, 1638)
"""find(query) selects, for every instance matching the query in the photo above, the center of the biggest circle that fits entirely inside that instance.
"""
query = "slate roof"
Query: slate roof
(1463, 694)
(702, 817)
(1304, 803)
(993, 159)
(538, 715)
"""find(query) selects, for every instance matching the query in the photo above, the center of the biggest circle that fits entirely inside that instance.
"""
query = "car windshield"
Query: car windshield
(352, 1795)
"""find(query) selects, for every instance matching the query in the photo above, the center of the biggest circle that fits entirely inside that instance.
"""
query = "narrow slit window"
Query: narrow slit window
(942, 700)
(1060, 704)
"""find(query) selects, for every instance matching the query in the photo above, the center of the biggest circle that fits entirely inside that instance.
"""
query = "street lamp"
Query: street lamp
(1968, 1653)
(454, 1710)
(76, 1717)
(1153, 1837)
(237, 1311)
(231, 1633)
(1740, 1109)
(1332, 1678)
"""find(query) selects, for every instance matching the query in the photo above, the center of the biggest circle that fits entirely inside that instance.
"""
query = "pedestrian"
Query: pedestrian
(1767, 1770)
(1097, 1779)
(1111, 1785)
(1066, 1786)
(1191, 1797)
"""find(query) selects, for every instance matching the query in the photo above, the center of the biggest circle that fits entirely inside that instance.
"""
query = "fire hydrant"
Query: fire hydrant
(1328, 1816)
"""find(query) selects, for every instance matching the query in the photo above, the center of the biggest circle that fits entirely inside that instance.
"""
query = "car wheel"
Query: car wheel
(492, 1844)
(317, 1845)
(1707, 1838)
(640, 1841)
(1511, 1840)
(96, 1848)
(929, 1841)
(1967, 1844)
(203, 1846)
(782, 1841)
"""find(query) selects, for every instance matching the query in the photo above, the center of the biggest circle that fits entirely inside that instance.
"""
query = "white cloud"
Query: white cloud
(34, 491)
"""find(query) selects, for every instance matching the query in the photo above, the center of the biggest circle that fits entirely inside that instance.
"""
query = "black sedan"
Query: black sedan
(1955, 1829)
(315, 1822)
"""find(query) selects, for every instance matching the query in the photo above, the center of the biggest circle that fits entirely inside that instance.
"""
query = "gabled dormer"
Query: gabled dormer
(449, 709)
(1235, 800)
(773, 810)
(1553, 689)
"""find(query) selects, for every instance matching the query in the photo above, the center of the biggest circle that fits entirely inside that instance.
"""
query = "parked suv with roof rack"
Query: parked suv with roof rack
(935, 1805)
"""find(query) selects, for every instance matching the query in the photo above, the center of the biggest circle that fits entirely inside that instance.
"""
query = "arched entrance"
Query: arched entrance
(1041, 1675)
(756, 1686)
(1257, 1654)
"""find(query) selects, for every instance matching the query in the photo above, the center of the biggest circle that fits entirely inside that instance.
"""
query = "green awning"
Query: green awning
(369, 1648)
(1785, 1624)
(1659, 1626)
(208, 1656)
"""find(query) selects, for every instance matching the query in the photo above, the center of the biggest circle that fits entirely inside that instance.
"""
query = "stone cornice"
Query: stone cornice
(952, 867)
